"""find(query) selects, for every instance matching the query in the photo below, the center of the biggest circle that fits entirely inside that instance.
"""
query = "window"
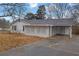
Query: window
(13, 27)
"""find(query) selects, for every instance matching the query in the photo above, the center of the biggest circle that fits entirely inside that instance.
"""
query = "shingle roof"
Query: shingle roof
(50, 22)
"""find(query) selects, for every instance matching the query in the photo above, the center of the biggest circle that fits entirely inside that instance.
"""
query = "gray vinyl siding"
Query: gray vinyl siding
(42, 31)
(37, 31)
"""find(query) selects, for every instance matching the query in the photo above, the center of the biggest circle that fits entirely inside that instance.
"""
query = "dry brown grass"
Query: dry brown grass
(10, 40)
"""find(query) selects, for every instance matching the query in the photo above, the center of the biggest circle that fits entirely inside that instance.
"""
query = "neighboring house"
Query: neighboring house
(44, 27)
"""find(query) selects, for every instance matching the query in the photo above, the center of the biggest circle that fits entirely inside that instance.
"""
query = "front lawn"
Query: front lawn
(12, 40)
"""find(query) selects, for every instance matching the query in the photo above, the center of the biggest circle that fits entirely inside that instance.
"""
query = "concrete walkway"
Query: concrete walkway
(46, 48)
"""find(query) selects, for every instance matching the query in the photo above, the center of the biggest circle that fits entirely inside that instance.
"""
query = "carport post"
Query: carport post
(70, 31)
(49, 31)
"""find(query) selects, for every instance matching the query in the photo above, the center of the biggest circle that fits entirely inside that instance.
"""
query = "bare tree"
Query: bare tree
(59, 10)
(75, 10)
(14, 10)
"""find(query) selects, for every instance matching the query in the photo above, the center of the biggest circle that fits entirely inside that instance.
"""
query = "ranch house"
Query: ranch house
(44, 27)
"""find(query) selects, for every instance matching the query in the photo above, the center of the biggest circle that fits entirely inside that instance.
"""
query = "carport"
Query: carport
(62, 30)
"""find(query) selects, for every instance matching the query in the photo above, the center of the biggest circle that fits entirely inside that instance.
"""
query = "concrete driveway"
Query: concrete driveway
(48, 47)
